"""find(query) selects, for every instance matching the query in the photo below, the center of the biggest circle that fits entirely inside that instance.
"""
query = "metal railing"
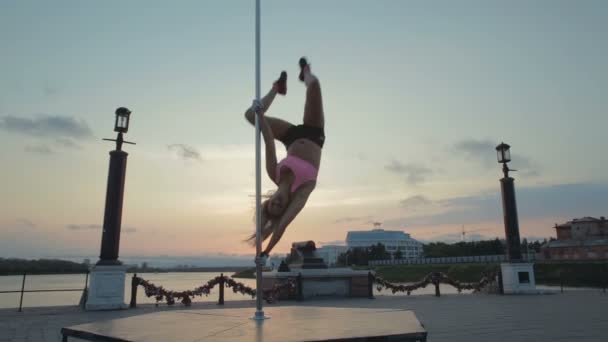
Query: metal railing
(222, 279)
(450, 260)
(23, 290)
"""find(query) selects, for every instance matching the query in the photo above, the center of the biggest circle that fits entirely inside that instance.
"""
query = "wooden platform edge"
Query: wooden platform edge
(89, 336)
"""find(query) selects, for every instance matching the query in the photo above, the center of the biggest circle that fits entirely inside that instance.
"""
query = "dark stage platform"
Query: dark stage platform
(289, 323)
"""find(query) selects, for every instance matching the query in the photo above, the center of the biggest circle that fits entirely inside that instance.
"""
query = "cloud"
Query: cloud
(423, 211)
(25, 223)
(67, 143)
(84, 227)
(414, 173)
(525, 167)
(570, 200)
(351, 219)
(186, 152)
(415, 202)
(38, 149)
(49, 90)
(55, 126)
(128, 230)
(362, 156)
(483, 152)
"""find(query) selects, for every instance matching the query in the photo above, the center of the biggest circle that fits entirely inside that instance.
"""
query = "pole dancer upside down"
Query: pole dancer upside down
(296, 174)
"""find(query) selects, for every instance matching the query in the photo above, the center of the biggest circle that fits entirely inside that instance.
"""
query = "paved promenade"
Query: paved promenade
(571, 316)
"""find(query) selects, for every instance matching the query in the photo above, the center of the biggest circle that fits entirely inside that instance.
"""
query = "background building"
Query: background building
(580, 239)
(393, 240)
(330, 253)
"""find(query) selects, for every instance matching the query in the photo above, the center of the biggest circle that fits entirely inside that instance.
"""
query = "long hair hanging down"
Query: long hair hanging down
(267, 221)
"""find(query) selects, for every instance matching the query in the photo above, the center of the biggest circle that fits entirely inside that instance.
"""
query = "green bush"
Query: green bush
(41, 266)
(412, 273)
(571, 274)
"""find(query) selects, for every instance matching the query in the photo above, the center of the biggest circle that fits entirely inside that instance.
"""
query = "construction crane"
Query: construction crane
(464, 232)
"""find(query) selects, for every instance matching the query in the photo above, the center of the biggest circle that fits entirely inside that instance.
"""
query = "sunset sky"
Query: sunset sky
(417, 94)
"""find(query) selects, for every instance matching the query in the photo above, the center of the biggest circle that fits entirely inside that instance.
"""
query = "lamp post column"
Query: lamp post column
(107, 280)
(110, 238)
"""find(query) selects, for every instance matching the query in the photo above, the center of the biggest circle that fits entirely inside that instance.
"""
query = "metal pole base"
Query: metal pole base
(259, 316)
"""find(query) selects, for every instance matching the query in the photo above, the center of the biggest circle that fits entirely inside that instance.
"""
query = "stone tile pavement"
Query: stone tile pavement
(571, 316)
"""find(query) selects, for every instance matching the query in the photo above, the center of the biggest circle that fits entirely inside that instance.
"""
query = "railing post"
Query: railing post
(300, 287)
(134, 284)
(85, 292)
(605, 277)
(501, 288)
(436, 283)
(22, 289)
(370, 285)
(221, 301)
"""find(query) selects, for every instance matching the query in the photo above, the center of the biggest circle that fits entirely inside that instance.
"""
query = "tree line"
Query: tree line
(463, 248)
(12, 266)
(362, 255)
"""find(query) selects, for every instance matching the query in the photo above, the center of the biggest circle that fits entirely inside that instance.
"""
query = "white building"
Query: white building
(330, 253)
(393, 240)
(275, 260)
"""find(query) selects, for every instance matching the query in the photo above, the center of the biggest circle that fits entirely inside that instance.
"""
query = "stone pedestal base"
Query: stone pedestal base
(518, 278)
(332, 282)
(106, 288)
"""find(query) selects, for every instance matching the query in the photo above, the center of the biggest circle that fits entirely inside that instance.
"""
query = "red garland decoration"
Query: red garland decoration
(290, 286)
(160, 293)
(434, 278)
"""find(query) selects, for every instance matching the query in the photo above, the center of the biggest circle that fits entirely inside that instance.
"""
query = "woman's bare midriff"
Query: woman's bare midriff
(306, 150)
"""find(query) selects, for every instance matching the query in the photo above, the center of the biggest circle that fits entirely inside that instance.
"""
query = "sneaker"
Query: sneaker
(281, 84)
(303, 64)
(262, 259)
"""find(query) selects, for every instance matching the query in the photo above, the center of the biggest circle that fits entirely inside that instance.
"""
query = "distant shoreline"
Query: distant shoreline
(233, 270)
(15, 267)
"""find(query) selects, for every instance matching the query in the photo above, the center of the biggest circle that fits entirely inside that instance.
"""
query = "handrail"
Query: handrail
(160, 293)
(23, 290)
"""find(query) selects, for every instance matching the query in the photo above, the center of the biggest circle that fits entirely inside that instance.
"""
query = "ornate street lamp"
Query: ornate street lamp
(509, 205)
(110, 238)
(503, 154)
(121, 125)
(517, 276)
(106, 285)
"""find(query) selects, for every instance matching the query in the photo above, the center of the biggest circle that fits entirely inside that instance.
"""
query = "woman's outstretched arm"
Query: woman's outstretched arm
(297, 203)
(271, 154)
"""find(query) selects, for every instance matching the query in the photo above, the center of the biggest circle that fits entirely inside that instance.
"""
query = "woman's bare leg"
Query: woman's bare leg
(278, 126)
(313, 109)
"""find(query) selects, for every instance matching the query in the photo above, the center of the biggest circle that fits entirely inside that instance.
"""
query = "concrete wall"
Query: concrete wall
(599, 252)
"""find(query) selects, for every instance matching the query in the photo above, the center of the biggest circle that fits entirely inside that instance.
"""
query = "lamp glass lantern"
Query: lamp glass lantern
(502, 153)
(122, 120)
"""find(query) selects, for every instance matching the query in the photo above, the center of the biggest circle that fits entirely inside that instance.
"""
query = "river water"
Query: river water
(174, 281)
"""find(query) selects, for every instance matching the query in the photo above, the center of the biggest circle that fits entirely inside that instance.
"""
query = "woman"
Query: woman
(295, 175)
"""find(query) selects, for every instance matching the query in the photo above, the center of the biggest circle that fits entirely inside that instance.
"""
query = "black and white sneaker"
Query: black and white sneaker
(303, 64)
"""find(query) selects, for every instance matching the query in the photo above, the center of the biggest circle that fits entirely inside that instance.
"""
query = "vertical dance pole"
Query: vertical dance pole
(259, 312)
